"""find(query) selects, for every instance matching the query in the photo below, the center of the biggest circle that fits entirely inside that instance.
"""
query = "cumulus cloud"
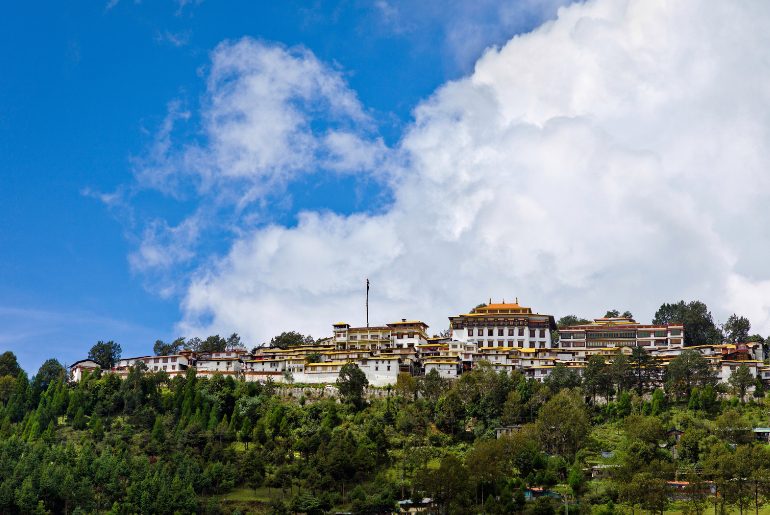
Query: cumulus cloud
(614, 157)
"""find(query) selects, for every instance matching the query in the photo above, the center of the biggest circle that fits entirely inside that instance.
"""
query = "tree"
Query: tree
(699, 326)
(431, 386)
(9, 365)
(570, 320)
(737, 329)
(741, 380)
(406, 385)
(351, 384)
(686, 371)
(233, 342)
(596, 378)
(213, 343)
(646, 490)
(620, 372)
(50, 371)
(290, 339)
(448, 485)
(614, 313)
(562, 377)
(644, 370)
(577, 481)
(106, 354)
(563, 423)
(162, 348)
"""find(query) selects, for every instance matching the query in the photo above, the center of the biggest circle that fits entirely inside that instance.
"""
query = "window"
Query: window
(490, 332)
(521, 331)
(411, 335)
(531, 333)
(510, 343)
(173, 360)
(173, 367)
(157, 360)
(470, 331)
(542, 333)
(376, 369)
(388, 368)
(400, 336)
(500, 332)
(510, 331)
(676, 332)
(165, 360)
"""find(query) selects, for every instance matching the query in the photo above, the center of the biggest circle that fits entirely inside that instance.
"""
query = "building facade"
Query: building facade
(506, 325)
(621, 332)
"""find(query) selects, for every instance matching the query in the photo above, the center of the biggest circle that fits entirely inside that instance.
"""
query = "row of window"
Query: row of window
(165, 367)
(512, 343)
(501, 332)
(165, 360)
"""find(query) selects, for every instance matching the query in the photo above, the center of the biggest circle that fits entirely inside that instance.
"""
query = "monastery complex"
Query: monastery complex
(507, 336)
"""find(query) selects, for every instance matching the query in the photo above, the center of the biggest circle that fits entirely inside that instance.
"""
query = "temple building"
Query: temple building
(621, 332)
(503, 325)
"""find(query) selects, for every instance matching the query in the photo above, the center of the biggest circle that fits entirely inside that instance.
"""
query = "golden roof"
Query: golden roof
(501, 308)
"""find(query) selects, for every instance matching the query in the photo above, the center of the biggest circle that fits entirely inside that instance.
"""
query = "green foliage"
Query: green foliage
(563, 424)
(737, 329)
(9, 366)
(352, 383)
(105, 354)
(687, 371)
(614, 313)
(569, 320)
(290, 339)
(162, 348)
(148, 444)
(699, 326)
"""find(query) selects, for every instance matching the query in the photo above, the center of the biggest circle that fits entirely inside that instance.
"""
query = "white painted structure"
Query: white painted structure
(78, 368)
(447, 368)
(503, 325)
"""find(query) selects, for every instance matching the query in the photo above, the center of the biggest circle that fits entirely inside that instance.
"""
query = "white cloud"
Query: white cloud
(269, 116)
(177, 39)
(614, 157)
(466, 28)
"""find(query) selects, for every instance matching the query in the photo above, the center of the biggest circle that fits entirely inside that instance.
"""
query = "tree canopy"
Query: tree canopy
(290, 339)
(9, 366)
(699, 326)
(106, 354)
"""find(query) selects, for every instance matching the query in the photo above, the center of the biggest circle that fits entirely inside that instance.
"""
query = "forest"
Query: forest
(625, 436)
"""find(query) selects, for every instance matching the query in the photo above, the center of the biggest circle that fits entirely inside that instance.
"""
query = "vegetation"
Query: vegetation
(614, 440)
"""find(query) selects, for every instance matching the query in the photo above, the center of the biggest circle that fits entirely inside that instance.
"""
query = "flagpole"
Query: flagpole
(367, 302)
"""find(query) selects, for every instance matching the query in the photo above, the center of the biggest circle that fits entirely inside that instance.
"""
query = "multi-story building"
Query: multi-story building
(621, 332)
(396, 335)
(172, 365)
(503, 325)
(225, 362)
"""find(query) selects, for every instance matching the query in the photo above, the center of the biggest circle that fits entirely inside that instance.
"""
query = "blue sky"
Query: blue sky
(84, 90)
